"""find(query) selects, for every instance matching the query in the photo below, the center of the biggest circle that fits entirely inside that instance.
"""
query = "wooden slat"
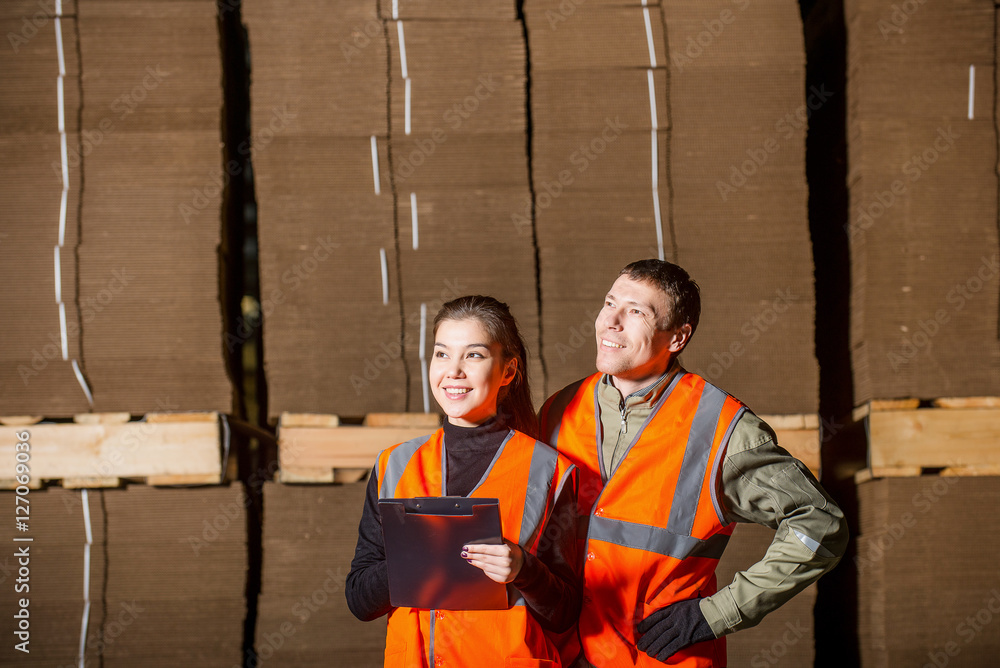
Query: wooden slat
(968, 402)
(168, 418)
(84, 482)
(304, 450)
(970, 471)
(934, 438)
(308, 420)
(878, 405)
(20, 420)
(430, 421)
(302, 475)
(171, 480)
(785, 421)
(123, 450)
(10, 483)
(102, 418)
(863, 476)
(872, 473)
(349, 475)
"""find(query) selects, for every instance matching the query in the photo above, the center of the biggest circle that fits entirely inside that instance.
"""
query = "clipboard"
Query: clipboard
(424, 537)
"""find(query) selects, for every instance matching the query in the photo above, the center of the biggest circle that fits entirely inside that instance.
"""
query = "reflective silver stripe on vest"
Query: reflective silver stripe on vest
(540, 474)
(430, 649)
(695, 463)
(557, 409)
(398, 460)
(718, 458)
(655, 539)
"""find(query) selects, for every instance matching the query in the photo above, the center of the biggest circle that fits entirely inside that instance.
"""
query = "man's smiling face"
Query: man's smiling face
(632, 344)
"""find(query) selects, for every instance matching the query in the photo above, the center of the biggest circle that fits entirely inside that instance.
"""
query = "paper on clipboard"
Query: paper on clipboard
(424, 537)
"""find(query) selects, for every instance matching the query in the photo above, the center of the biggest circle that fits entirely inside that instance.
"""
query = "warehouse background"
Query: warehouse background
(227, 225)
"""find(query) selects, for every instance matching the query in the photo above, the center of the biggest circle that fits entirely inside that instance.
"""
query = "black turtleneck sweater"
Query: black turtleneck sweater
(549, 582)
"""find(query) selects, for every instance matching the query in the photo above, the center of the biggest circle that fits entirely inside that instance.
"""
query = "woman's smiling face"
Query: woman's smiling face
(467, 371)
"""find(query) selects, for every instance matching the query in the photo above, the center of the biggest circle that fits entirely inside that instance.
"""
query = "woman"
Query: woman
(478, 374)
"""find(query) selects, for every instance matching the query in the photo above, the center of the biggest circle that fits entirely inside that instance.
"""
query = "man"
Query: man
(668, 463)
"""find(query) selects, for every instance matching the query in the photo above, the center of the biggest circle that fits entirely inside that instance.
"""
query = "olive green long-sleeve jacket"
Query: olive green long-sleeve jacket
(760, 483)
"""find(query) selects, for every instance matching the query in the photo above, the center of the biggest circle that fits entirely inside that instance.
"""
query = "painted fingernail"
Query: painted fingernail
(464, 553)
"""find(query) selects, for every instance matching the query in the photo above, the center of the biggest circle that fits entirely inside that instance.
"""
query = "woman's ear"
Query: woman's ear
(509, 371)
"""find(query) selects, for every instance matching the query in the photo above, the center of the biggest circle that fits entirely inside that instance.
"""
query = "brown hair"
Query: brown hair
(683, 294)
(514, 400)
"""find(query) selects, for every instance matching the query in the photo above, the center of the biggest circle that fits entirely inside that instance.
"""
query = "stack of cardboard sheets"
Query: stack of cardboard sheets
(114, 188)
(923, 199)
(737, 168)
(41, 200)
(460, 171)
(928, 584)
(309, 535)
(62, 581)
(327, 247)
(150, 577)
(598, 76)
(177, 562)
(786, 636)
(149, 280)
(638, 128)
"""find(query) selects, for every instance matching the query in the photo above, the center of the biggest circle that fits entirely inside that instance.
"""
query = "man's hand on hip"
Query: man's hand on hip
(671, 629)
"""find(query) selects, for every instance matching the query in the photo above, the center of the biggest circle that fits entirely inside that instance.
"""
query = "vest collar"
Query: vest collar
(486, 473)
(657, 392)
(610, 397)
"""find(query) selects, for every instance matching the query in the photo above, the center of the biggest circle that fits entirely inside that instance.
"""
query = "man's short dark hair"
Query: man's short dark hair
(683, 294)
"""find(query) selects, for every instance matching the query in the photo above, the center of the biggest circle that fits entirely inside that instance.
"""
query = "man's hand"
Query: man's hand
(671, 629)
(501, 563)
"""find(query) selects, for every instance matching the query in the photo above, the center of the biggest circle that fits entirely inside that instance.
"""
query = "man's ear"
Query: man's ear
(679, 338)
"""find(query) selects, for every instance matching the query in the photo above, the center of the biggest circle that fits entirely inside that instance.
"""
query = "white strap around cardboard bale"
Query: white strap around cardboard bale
(62, 331)
(414, 221)
(62, 216)
(423, 359)
(83, 383)
(406, 106)
(85, 618)
(375, 174)
(972, 91)
(402, 50)
(649, 36)
(385, 276)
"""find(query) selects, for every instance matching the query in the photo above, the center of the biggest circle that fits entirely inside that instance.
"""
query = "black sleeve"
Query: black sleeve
(367, 588)
(550, 581)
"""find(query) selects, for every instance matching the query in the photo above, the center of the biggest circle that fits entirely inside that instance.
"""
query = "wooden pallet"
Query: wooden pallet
(314, 448)
(952, 436)
(101, 449)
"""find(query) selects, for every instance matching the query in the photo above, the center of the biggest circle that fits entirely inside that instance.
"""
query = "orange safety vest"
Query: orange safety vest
(655, 527)
(527, 477)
